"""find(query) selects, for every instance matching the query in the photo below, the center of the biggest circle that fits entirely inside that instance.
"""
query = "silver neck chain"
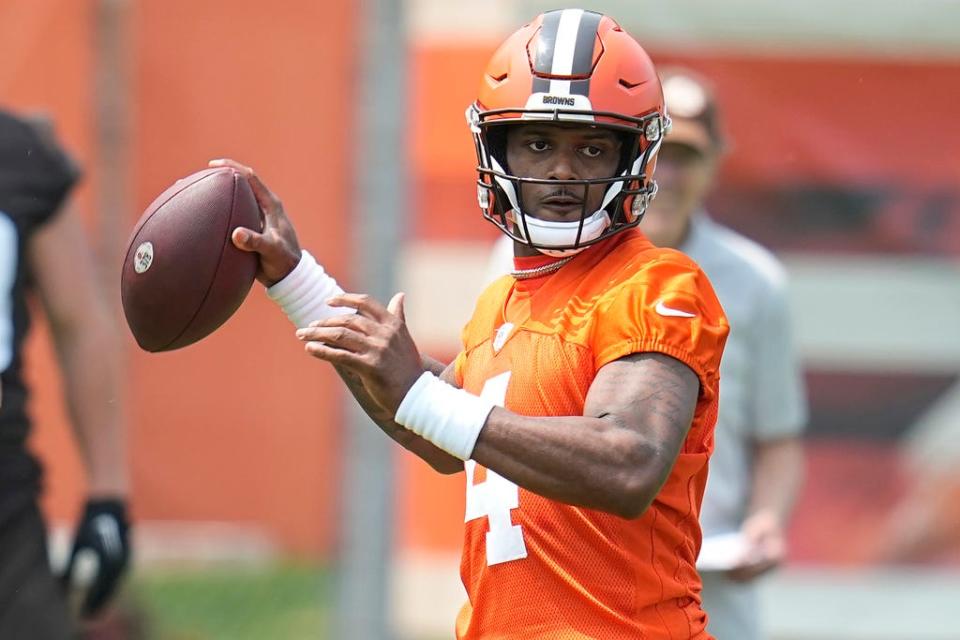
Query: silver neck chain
(536, 272)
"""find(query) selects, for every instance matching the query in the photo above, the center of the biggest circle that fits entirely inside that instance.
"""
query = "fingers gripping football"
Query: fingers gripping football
(276, 245)
(374, 343)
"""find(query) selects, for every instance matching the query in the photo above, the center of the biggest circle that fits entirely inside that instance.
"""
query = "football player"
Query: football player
(42, 251)
(582, 404)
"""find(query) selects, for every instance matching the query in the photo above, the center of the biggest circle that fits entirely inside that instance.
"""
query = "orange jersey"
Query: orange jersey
(536, 568)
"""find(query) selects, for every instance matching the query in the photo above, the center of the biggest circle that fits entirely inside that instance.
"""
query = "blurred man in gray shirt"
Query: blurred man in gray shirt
(756, 467)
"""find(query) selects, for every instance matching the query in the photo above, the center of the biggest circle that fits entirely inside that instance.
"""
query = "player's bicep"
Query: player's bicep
(650, 394)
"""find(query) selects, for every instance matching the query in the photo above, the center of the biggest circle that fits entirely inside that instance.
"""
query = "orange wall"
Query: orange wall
(241, 427)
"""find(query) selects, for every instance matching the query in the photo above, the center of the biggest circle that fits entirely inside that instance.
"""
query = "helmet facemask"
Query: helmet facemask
(569, 67)
(625, 198)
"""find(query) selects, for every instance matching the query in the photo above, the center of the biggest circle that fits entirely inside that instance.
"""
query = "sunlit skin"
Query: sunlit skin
(684, 176)
(560, 152)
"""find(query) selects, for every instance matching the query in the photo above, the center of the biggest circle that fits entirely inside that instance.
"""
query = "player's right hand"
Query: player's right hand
(276, 244)
(766, 547)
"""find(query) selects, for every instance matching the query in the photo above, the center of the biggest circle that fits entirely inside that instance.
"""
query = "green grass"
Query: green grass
(286, 602)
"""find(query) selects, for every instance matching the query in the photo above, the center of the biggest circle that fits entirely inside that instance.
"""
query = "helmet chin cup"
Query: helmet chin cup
(546, 234)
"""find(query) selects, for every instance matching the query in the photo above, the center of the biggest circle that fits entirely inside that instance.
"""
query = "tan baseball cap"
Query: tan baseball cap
(692, 108)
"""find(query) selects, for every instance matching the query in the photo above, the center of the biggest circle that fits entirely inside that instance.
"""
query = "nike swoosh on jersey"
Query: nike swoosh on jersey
(664, 310)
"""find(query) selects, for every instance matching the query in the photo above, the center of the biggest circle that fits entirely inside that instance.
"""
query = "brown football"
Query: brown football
(182, 277)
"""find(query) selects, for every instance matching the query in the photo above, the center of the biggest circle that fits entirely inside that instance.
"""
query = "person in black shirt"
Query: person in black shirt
(43, 251)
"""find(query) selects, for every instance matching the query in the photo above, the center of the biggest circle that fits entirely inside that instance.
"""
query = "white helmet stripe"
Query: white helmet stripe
(566, 43)
(559, 88)
(563, 50)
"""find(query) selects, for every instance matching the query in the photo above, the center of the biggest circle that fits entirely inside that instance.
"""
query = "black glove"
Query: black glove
(102, 535)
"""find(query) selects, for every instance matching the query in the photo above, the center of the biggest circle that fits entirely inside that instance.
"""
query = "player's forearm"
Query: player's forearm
(583, 461)
(777, 476)
(438, 459)
(89, 357)
(432, 365)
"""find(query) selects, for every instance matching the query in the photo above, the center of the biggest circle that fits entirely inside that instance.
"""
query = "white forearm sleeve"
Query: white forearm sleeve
(303, 294)
(449, 417)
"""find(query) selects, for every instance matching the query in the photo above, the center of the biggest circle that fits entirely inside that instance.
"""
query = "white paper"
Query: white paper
(722, 552)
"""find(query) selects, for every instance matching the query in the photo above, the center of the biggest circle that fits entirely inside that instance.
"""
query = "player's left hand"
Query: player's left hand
(374, 343)
(101, 551)
(765, 547)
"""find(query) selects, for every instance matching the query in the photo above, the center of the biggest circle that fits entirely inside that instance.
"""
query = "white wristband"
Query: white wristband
(303, 293)
(448, 417)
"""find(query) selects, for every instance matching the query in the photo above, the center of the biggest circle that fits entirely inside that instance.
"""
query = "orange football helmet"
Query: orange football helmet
(569, 66)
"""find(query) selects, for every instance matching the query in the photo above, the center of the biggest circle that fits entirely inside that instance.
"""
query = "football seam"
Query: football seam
(216, 271)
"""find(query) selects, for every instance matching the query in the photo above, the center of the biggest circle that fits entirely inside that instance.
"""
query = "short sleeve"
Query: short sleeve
(779, 406)
(36, 174)
(668, 307)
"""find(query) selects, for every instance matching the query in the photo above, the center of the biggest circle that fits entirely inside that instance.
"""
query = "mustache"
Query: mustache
(563, 192)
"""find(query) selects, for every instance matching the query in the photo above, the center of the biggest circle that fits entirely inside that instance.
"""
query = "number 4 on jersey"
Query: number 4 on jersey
(496, 496)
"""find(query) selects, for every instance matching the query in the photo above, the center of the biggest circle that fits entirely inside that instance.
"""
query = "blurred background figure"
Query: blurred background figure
(43, 251)
(756, 466)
